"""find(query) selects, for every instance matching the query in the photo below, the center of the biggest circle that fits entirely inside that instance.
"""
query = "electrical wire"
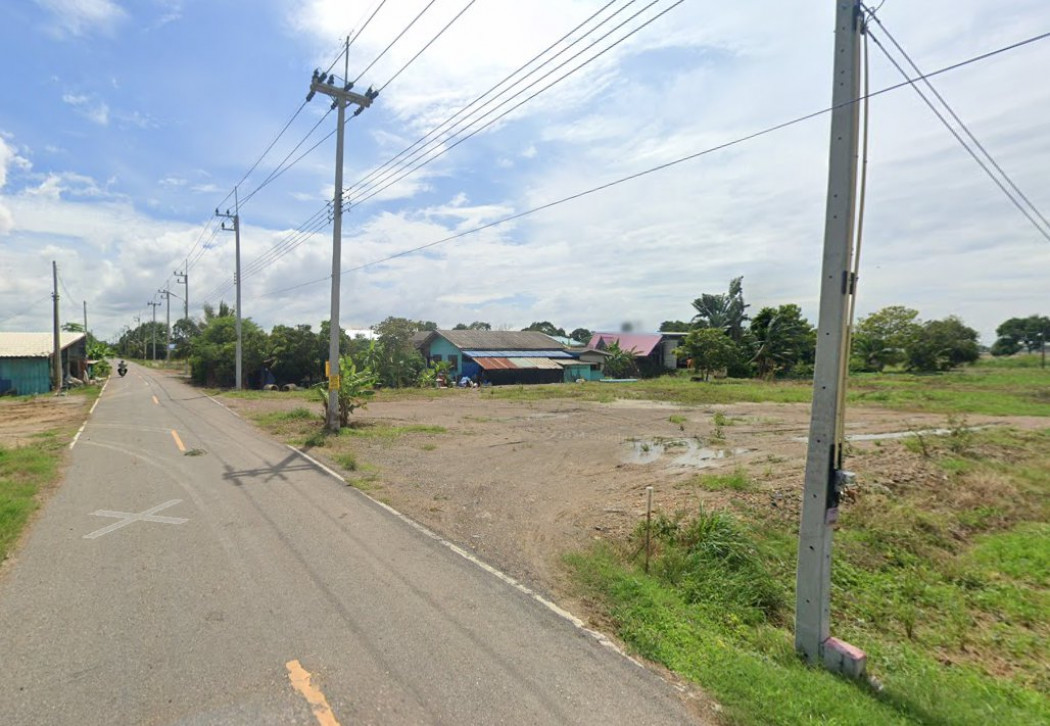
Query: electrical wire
(988, 156)
(681, 160)
(25, 310)
(295, 239)
(380, 170)
(281, 168)
(391, 44)
(696, 155)
(439, 34)
(366, 194)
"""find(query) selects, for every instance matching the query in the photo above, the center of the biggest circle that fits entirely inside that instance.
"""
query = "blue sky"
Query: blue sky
(124, 125)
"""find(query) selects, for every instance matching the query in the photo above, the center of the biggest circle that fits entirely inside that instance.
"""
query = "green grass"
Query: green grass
(942, 580)
(677, 419)
(737, 480)
(299, 413)
(346, 459)
(373, 430)
(24, 470)
(993, 387)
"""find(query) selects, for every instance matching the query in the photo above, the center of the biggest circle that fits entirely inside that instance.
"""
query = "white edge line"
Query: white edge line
(91, 410)
(217, 402)
(527, 591)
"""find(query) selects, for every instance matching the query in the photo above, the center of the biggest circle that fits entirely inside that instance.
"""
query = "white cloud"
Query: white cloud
(82, 17)
(91, 107)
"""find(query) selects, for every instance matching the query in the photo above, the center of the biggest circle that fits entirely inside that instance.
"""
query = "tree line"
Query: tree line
(721, 337)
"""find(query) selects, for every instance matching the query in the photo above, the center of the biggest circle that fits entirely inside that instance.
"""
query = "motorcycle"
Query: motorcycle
(122, 369)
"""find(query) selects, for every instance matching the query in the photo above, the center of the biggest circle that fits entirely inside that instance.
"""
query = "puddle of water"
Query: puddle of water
(685, 453)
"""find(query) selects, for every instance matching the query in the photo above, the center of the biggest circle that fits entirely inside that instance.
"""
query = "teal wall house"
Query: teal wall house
(25, 361)
(509, 357)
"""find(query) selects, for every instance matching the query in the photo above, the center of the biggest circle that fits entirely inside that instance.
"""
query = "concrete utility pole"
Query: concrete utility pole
(824, 474)
(236, 229)
(186, 289)
(167, 327)
(85, 319)
(154, 304)
(341, 98)
(56, 369)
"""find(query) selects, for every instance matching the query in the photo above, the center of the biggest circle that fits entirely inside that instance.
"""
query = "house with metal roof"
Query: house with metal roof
(503, 357)
(25, 361)
(654, 352)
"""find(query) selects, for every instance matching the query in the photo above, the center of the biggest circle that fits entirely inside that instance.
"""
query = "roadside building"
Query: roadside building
(25, 361)
(653, 352)
(508, 357)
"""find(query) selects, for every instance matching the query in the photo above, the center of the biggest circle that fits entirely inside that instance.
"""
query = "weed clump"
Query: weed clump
(712, 561)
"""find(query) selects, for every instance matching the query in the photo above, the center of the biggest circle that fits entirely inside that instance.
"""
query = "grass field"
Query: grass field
(943, 583)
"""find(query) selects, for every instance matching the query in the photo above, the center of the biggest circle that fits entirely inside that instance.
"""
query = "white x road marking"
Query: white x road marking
(126, 518)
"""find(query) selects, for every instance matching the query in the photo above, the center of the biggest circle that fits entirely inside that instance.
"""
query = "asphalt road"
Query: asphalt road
(191, 571)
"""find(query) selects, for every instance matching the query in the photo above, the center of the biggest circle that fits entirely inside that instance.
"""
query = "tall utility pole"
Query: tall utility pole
(167, 327)
(85, 319)
(236, 217)
(824, 460)
(186, 289)
(56, 369)
(341, 98)
(154, 304)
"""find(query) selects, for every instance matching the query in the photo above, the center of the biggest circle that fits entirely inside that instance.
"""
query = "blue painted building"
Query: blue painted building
(25, 361)
(504, 357)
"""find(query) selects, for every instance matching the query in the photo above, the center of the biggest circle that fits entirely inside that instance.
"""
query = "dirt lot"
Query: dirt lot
(22, 419)
(522, 483)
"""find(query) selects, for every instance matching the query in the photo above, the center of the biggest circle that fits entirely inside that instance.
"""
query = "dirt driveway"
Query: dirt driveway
(25, 418)
(520, 484)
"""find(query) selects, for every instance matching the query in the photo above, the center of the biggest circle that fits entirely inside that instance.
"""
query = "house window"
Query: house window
(453, 361)
(436, 358)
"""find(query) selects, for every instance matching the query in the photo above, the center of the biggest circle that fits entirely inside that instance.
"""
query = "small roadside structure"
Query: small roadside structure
(504, 357)
(25, 361)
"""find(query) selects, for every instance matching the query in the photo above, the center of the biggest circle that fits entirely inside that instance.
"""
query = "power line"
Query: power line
(439, 34)
(281, 168)
(678, 161)
(27, 309)
(390, 45)
(1005, 177)
(365, 194)
(690, 157)
(512, 74)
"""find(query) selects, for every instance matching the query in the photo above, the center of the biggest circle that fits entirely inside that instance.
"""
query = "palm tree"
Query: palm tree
(724, 312)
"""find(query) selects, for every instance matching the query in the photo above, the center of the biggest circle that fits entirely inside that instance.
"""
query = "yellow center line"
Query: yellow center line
(300, 679)
(156, 401)
(178, 441)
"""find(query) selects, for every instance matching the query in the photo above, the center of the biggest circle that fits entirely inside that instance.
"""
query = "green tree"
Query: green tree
(547, 328)
(581, 335)
(727, 311)
(393, 358)
(476, 325)
(182, 334)
(708, 349)
(1016, 333)
(782, 338)
(213, 354)
(882, 338)
(675, 326)
(295, 354)
(943, 345)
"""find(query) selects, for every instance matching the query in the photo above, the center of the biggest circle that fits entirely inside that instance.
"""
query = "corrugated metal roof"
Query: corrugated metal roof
(498, 339)
(517, 353)
(496, 364)
(34, 345)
